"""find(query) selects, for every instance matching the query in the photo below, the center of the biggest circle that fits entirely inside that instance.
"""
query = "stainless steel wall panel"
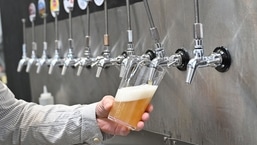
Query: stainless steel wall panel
(216, 109)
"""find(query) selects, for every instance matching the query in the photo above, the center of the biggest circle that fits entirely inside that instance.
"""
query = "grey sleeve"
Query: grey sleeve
(26, 123)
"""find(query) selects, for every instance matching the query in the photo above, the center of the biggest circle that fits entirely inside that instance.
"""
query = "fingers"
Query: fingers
(140, 125)
(149, 108)
(107, 102)
(104, 106)
(112, 128)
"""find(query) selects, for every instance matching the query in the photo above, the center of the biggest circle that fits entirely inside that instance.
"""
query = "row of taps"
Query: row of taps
(219, 58)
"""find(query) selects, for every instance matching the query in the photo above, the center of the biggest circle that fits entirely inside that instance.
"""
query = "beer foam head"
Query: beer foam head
(135, 92)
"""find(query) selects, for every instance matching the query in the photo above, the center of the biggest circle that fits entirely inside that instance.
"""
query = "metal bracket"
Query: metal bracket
(173, 141)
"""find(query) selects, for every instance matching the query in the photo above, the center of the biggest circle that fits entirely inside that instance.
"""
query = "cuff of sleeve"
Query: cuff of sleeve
(90, 132)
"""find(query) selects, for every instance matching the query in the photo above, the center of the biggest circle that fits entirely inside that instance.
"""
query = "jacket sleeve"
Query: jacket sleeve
(26, 123)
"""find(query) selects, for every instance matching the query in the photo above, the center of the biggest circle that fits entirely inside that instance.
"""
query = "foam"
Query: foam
(135, 92)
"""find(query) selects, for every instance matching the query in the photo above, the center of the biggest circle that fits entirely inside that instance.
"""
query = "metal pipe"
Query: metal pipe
(150, 18)
(33, 31)
(128, 14)
(44, 29)
(24, 30)
(106, 16)
(88, 28)
(56, 28)
(196, 10)
(70, 24)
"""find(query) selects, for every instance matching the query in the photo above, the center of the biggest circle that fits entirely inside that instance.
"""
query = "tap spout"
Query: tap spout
(191, 68)
(44, 59)
(56, 60)
(23, 61)
(31, 61)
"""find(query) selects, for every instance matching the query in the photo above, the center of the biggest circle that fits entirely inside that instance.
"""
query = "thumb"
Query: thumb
(104, 106)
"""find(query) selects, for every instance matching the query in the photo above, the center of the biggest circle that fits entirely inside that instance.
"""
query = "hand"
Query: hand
(102, 110)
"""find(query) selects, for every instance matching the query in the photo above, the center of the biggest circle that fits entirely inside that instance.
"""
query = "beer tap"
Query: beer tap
(220, 58)
(87, 59)
(23, 61)
(105, 59)
(56, 59)
(44, 58)
(129, 53)
(158, 57)
(70, 59)
(32, 17)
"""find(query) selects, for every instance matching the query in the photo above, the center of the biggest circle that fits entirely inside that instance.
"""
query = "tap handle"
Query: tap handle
(24, 30)
(24, 51)
(106, 40)
(44, 46)
(226, 59)
(34, 46)
(184, 58)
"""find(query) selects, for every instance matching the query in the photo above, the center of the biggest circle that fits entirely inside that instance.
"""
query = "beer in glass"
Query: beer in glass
(135, 92)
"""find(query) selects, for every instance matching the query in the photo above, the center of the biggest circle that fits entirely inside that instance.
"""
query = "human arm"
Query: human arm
(26, 123)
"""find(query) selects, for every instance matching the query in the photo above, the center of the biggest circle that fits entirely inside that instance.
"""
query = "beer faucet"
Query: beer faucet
(129, 53)
(23, 61)
(105, 59)
(56, 59)
(220, 58)
(70, 59)
(44, 58)
(158, 57)
(87, 59)
(33, 59)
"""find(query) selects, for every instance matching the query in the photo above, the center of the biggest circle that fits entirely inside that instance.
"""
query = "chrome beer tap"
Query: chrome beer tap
(129, 53)
(56, 59)
(105, 59)
(23, 61)
(220, 58)
(33, 60)
(158, 57)
(70, 59)
(87, 59)
(44, 58)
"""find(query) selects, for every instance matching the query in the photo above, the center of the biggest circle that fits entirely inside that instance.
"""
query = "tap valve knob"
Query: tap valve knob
(184, 58)
(151, 54)
(226, 59)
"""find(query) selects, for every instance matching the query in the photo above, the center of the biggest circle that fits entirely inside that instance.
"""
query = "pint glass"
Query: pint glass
(135, 92)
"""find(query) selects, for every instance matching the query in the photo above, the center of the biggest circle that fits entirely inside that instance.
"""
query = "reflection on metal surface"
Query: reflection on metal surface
(146, 138)
(217, 109)
(138, 138)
